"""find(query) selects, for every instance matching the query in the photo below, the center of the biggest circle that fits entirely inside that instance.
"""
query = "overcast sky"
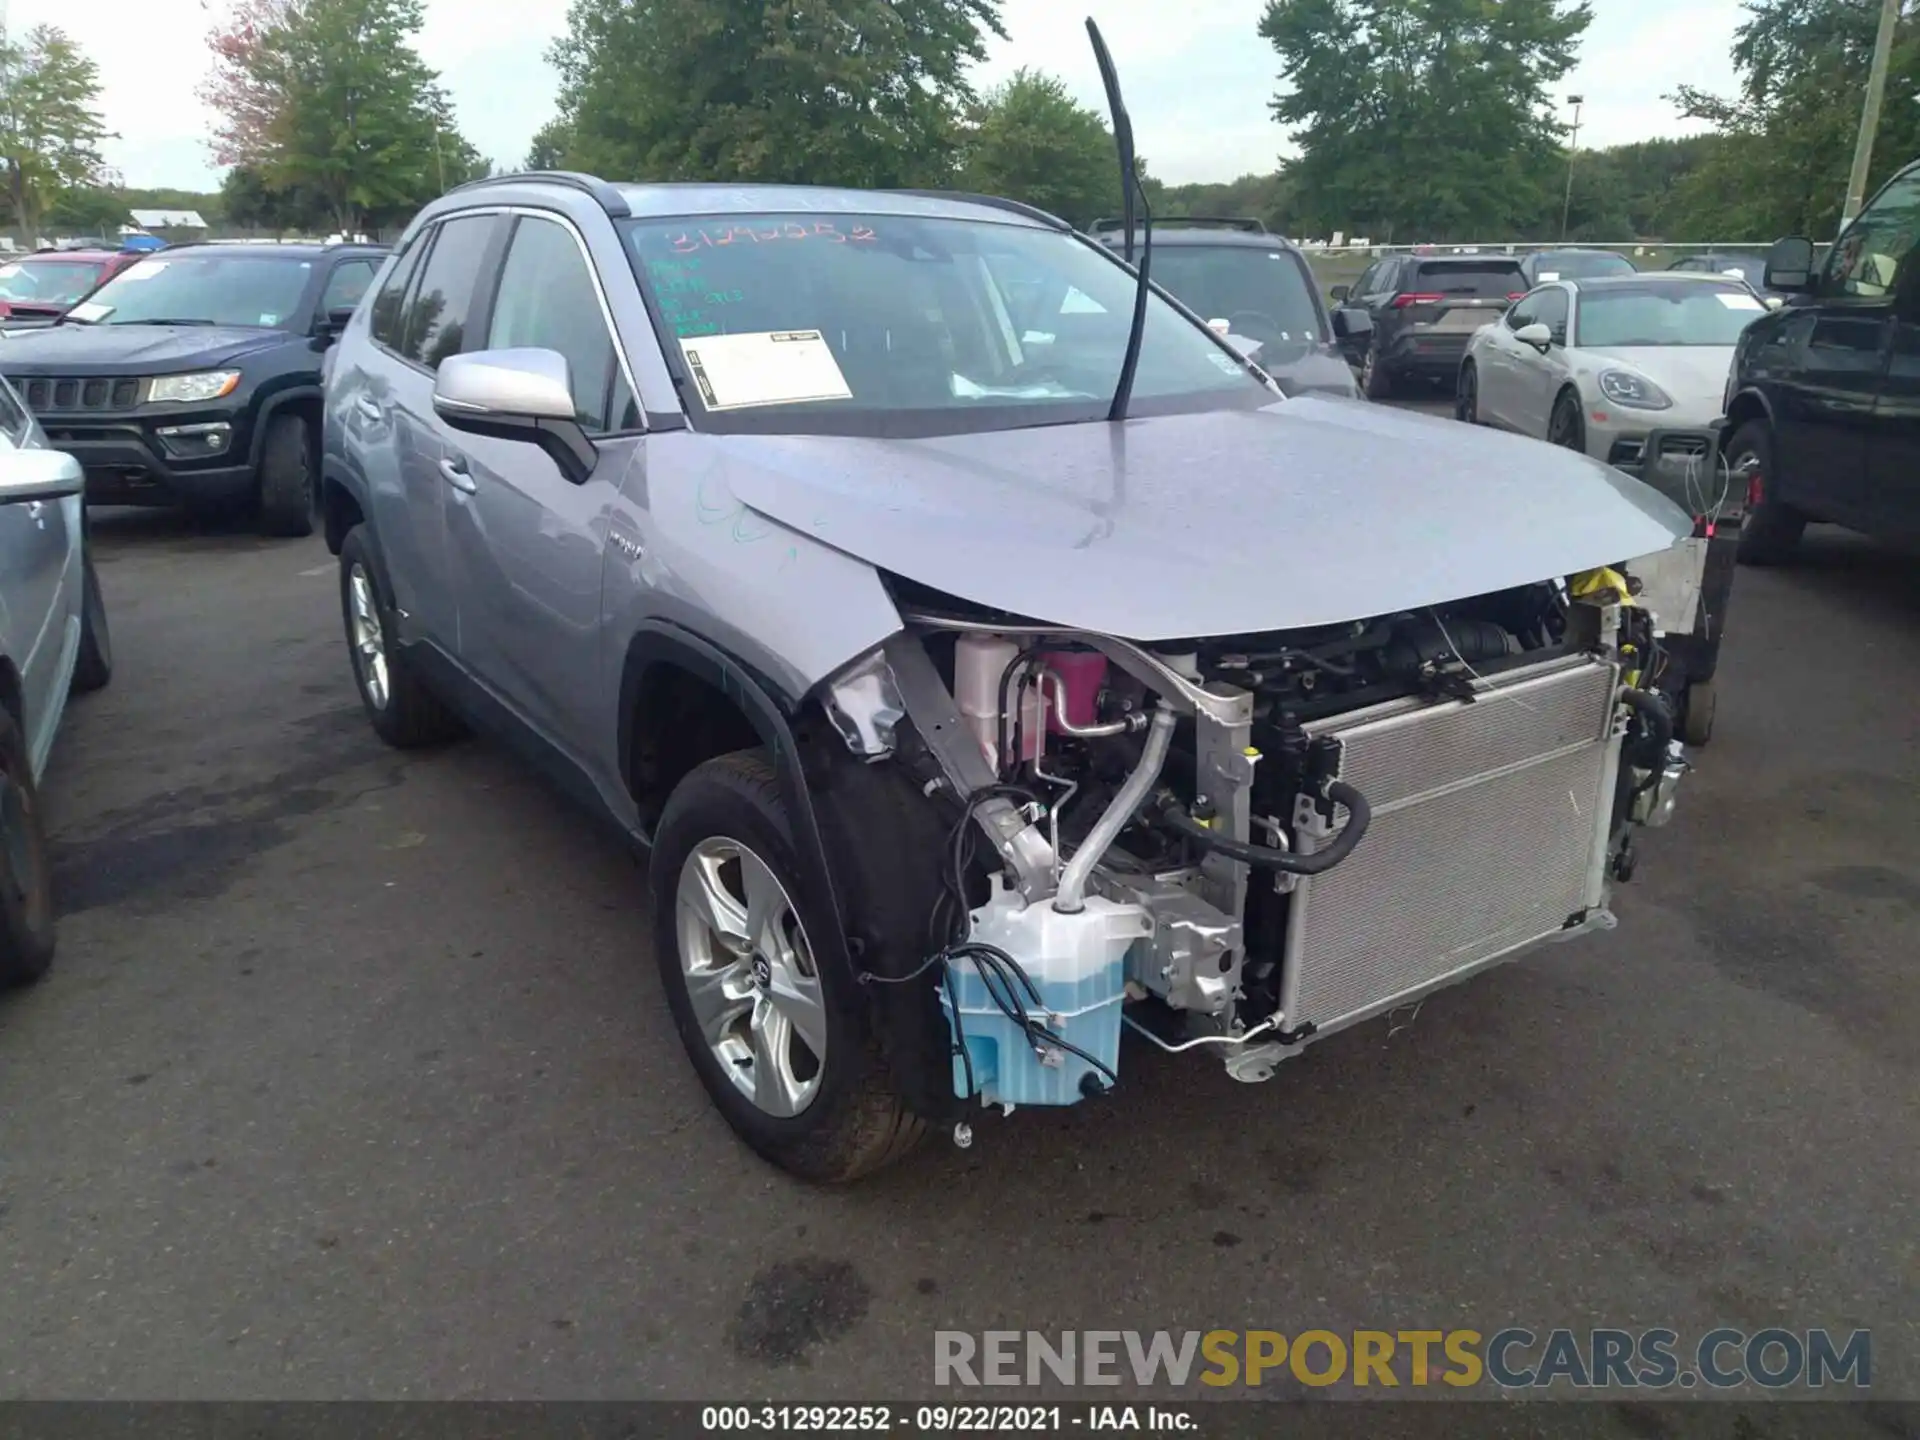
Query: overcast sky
(1197, 88)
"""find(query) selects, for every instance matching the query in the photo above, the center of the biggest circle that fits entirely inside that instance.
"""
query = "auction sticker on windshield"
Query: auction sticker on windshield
(1738, 302)
(773, 367)
(145, 270)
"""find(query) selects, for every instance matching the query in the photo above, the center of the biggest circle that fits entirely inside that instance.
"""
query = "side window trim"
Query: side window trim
(623, 364)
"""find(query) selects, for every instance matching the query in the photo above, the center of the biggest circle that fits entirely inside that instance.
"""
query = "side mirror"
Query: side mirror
(1790, 265)
(1340, 292)
(1538, 335)
(517, 395)
(1352, 324)
(39, 475)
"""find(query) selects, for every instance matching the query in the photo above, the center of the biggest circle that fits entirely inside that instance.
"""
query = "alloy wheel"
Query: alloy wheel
(751, 978)
(369, 640)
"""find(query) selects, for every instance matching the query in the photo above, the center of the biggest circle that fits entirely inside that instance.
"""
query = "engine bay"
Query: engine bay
(1249, 841)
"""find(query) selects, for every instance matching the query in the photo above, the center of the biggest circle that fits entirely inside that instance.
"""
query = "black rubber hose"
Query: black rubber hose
(1653, 710)
(1262, 857)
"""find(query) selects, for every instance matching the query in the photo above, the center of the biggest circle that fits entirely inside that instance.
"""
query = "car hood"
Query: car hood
(1307, 512)
(1694, 375)
(116, 349)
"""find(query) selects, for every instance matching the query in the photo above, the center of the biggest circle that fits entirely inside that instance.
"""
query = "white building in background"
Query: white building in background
(171, 224)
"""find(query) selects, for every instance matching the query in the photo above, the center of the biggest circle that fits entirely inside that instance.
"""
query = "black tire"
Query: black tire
(1376, 381)
(1696, 724)
(26, 889)
(94, 668)
(856, 1121)
(1770, 529)
(1566, 426)
(1466, 394)
(402, 710)
(289, 500)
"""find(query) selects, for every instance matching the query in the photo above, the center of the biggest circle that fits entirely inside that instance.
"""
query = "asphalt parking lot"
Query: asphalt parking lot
(353, 1077)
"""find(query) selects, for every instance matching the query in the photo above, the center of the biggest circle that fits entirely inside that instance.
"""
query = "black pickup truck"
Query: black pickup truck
(1823, 403)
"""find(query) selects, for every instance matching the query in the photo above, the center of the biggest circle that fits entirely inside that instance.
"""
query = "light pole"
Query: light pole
(1870, 113)
(1573, 144)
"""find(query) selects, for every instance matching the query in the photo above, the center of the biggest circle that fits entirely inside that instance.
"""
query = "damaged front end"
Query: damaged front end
(1249, 842)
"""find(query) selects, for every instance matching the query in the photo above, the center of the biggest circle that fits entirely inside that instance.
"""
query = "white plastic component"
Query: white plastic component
(1077, 963)
(979, 662)
(1184, 663)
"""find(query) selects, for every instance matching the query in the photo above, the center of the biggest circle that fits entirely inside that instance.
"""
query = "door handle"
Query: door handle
(454, 468)
(367, 408)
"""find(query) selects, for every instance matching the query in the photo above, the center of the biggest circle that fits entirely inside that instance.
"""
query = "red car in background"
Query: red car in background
(38, 288)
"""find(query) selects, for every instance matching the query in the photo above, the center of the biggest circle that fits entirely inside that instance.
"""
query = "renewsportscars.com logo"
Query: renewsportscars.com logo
(1512, 1359)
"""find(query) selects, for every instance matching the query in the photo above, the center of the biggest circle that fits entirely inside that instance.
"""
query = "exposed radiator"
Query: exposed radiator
(1489, 830)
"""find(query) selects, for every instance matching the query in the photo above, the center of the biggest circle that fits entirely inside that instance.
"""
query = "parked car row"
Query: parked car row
(192, 376)
(794, 530)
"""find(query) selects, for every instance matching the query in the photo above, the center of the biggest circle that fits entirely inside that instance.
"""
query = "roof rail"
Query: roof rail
(606, 196)
(1212, 222)
(997, 202)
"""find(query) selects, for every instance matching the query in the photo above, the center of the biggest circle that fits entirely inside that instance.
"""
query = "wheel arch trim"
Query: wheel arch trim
(769, 711)
(271, 406)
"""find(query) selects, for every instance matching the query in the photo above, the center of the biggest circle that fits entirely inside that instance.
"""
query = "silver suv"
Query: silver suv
(970, 712)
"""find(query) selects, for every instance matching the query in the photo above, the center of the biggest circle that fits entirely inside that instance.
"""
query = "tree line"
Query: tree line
(1435, 121)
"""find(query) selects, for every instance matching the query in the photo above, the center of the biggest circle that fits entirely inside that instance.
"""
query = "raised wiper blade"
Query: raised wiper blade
(170, 320)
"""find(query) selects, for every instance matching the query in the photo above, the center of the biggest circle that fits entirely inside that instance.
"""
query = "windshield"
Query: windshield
(903, 325)
(1579, 264)
(256, 290)
(1265, 294)
(1683, 313)
(47, 282)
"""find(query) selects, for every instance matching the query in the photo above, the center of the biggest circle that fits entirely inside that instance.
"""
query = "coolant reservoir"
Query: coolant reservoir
(979, 663)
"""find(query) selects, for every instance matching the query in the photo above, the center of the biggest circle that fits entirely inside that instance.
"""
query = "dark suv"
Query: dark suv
(1420, 312)
(1824, 393)
(193, 376)
(1237, 273)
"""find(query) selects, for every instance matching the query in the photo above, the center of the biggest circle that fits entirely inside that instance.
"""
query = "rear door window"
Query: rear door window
(1485, 280)
(436, 323)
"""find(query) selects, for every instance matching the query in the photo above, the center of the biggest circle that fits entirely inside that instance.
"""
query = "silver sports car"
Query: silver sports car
(1598, 364)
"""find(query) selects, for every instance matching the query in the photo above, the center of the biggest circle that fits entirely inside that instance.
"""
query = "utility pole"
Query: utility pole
(1870, 112)
(1573, 144)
